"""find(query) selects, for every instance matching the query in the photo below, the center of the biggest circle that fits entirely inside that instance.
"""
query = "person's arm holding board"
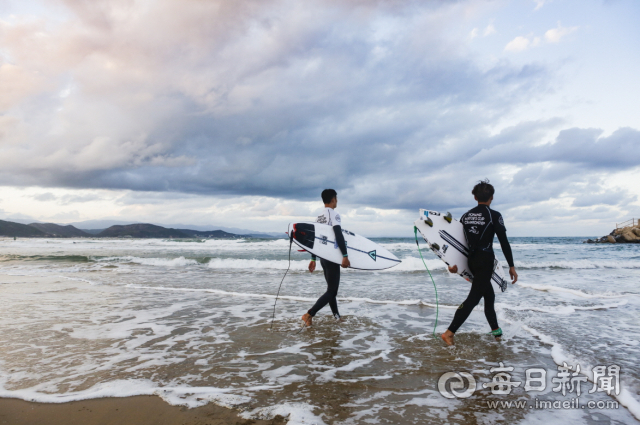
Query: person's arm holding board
(501, 233)
(312, 263)
(342, 245)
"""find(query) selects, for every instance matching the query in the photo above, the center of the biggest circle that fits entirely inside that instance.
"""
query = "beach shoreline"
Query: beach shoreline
(135, 410)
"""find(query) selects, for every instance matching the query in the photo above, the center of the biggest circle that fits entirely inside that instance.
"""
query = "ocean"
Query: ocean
(190, 321)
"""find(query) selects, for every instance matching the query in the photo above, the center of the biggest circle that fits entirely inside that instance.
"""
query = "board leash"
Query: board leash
(415, 232)
(273, 315)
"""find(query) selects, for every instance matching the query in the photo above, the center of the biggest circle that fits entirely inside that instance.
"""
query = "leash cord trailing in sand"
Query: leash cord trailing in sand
(285, 275)
(415, 232)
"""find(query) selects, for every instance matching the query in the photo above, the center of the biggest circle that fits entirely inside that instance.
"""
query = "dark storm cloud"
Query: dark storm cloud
(282, 99)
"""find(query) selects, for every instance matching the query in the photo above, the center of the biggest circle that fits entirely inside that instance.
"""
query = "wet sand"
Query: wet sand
(138, 410)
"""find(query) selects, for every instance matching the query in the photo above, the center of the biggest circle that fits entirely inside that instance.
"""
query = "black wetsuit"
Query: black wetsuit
(480, 225)
(331, 270)
(332, 276)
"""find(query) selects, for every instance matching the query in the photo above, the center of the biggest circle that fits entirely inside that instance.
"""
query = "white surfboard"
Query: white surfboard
(445, 236)
(320, 240)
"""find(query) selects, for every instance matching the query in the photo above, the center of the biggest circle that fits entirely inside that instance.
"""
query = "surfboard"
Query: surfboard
(320, 240)
(445, 236)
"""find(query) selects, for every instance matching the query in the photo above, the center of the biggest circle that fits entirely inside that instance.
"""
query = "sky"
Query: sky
(240, 113)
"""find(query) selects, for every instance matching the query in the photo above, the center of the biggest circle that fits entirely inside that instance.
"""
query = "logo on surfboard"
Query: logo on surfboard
(373, 254)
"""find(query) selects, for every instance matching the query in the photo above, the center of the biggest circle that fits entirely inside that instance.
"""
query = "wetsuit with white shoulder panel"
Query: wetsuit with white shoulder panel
(331, 270)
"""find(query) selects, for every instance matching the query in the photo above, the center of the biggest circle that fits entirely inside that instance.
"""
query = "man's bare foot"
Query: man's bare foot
(307, 319)
(447, 337)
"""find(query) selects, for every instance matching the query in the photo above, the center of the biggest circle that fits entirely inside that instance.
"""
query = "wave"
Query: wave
(62, 258)
(408, 264)
(255, 264)
(163, 262)
(578, 264)
(561, 309)
(576, 292)
(288, 297)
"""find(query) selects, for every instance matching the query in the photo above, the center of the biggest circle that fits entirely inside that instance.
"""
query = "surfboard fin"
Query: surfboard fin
(435, 246)
(428, 222)
(448, 217)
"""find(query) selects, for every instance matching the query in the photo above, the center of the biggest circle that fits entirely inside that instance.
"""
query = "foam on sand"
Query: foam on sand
(559, 355)
(295, 413)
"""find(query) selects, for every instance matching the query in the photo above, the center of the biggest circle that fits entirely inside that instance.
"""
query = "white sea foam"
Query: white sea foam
(560, 309)
(177, 396)
(416, 302)
(254, 264)
(295, 413)
(161, 262)
(409, 264)
(164, 323)
(560, 356)
(576, 292)
(578, 264)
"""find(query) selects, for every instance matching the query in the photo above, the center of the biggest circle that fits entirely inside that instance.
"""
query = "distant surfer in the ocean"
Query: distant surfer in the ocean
(480, 225)
(330, 217)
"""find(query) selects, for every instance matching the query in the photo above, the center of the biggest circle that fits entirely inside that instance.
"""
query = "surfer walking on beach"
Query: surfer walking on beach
(330, 217)
(481, 224)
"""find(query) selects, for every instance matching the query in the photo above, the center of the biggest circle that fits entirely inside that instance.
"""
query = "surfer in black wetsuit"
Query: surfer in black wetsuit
(480, 225)
(331, 270)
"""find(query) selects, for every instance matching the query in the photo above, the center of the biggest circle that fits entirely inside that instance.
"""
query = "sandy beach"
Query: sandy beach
(138, 410)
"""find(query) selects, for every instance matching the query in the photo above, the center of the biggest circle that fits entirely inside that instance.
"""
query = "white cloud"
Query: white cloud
(555, 35)
(540, 3)
(518, 44)
(490, 29)
(230, 101)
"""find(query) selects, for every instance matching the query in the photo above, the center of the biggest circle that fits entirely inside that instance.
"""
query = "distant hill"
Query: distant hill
(209, 234)
(61, 231)
(92, 231)
(8, 228)
(140, 230)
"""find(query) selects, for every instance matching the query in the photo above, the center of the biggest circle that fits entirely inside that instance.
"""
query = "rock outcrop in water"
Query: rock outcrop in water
(629, 234)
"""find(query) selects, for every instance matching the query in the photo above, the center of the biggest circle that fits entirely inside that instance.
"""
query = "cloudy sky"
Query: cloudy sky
(239, 113)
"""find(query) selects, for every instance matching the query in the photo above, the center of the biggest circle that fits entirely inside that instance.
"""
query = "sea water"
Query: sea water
(191, 321)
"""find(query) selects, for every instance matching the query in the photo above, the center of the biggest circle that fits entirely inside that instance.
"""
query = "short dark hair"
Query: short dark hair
(483, 191)
(328, 195)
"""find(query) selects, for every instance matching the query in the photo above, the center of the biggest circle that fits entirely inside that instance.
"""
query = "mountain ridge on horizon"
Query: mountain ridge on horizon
(135, 230)
(93, 227)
